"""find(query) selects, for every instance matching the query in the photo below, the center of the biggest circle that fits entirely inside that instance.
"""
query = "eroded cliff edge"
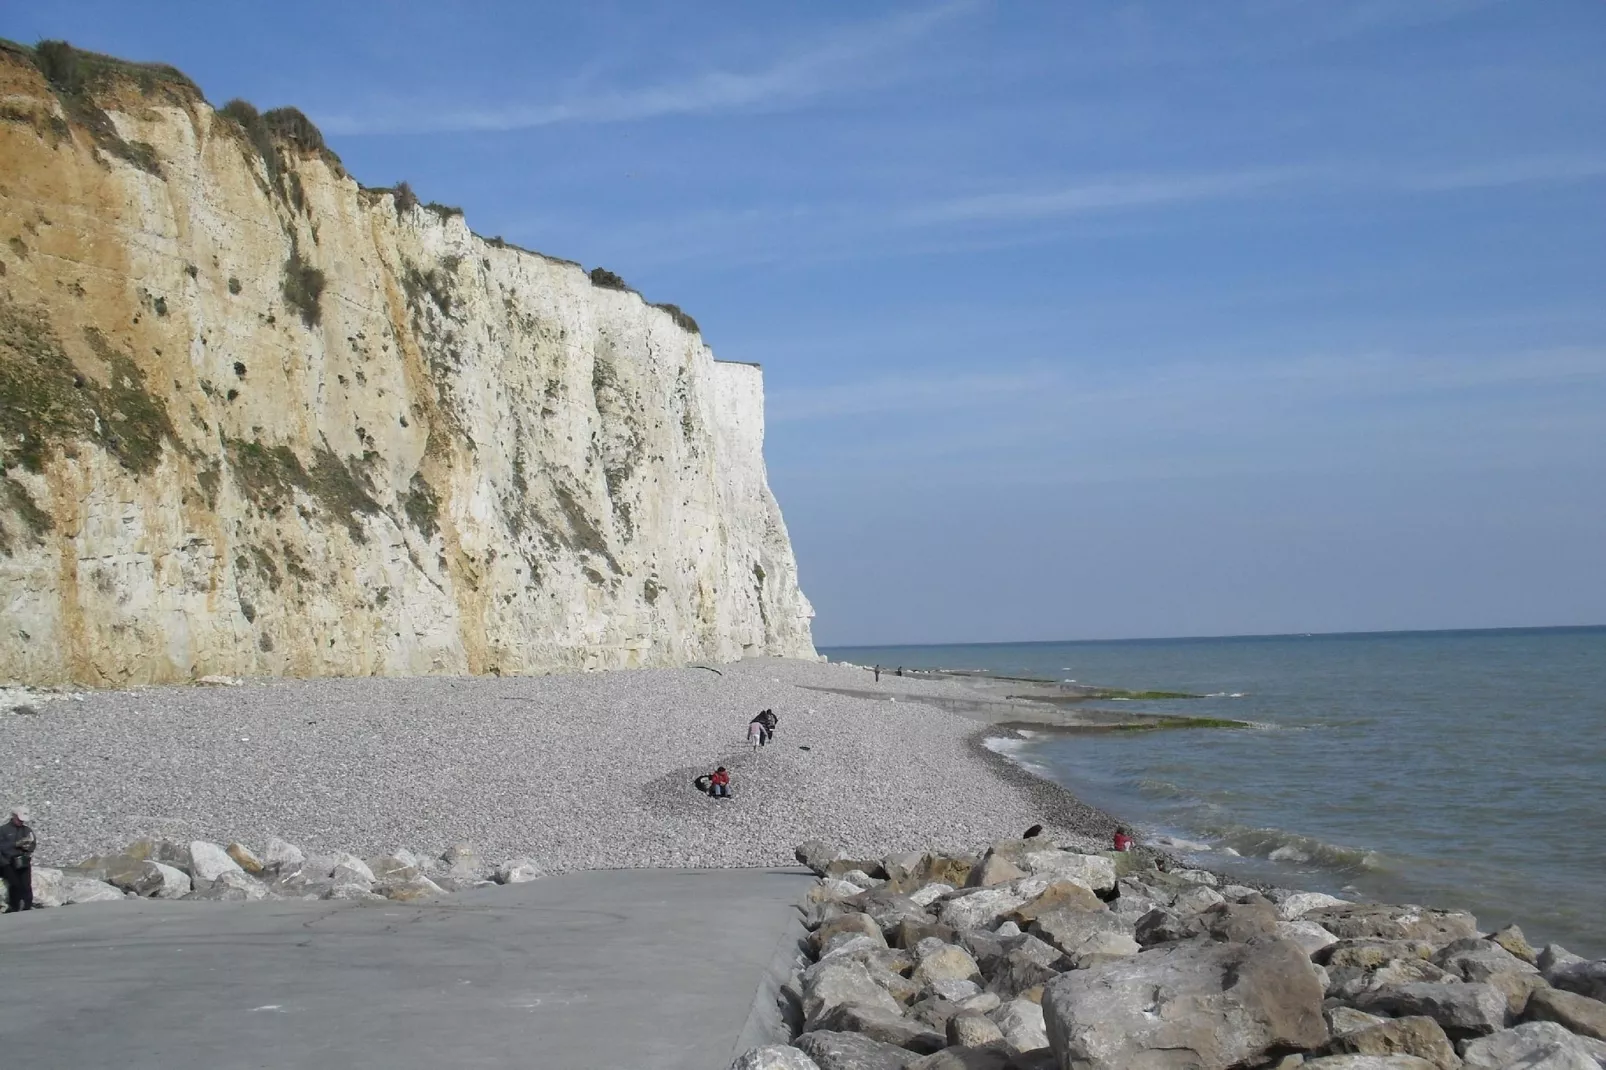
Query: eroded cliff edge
(258, 419)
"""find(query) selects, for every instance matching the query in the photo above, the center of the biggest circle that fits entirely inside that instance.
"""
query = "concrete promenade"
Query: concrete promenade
(603, 970)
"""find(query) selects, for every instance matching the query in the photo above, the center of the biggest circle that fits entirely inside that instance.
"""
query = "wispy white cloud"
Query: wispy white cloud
(1101, 194)
(839, 63)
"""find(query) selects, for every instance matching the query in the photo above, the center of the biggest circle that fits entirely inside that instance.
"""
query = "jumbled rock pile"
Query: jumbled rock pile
(1030, 957)
(166, 869)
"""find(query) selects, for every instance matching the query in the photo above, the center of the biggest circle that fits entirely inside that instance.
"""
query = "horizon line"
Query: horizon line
(1244, 635)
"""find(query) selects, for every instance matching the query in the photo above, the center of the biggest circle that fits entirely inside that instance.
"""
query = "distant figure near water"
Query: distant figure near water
(878, 674)
(1123, 842)
(900, 670)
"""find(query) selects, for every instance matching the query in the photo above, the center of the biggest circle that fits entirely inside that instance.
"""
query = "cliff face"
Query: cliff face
(256, 419)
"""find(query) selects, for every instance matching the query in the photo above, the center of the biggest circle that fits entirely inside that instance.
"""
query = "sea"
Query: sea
(1461, 769)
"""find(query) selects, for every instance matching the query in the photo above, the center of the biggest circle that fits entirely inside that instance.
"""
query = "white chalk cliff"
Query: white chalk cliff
(259, 420)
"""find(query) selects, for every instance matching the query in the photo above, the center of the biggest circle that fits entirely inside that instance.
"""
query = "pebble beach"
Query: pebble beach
(582, 771)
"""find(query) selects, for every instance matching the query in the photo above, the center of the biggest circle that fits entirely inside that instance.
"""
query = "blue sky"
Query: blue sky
(1078, 320)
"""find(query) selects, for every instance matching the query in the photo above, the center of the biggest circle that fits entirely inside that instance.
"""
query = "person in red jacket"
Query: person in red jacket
(1123, 842)
(719, 785)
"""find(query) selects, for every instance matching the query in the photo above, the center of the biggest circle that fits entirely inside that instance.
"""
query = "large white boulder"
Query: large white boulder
(209, 861)
(1206, 1005)
(521, 870)
(1022, 1023)
(1534, 1046)
(774, 1057)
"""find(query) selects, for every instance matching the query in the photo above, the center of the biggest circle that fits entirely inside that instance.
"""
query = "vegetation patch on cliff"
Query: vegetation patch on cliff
(682, 320)
(46, 401)
(268, 475)
(35, 521)
(303, 287)
(422, 506)
(76, 76)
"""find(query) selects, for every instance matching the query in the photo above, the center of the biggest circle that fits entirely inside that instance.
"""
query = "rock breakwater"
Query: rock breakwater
(1028, 956)
(154, 868)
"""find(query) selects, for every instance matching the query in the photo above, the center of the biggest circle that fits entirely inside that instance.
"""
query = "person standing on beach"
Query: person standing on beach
(16, 860)
(878, 674)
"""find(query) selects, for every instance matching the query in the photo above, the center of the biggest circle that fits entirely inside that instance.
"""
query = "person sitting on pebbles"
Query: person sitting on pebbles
(16, 860)
(719, 785)
(1123, 842)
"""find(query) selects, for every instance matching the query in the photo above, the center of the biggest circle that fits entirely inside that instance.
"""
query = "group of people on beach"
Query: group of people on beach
(760, 730)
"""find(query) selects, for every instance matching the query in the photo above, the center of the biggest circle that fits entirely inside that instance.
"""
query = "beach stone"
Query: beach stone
(1512, 939)
(935, 1011)
(1085, 937)
(908, 933)
(988, 1057)
(76, 890)
(968, 1029)
(1197, 876)
(351, 891)
(870, 871)
(1477, 960)
(981, 908)
(1580, 1014)
(1380, 921)
(48, 883)
(832, 1050)
(1581, 976)
(1371, 954)
(408, 889)
(1194, 899)
(982, 1003)
(1022, 1024)
(1342, 1019)
(861, 879)
(281, 855)
(463, 862)
(888, 1027)
(852, 922)
(1554, 955)
(987, 948)
(1418, 1036)
(1367, 1062)
(944, 962)
(817, 855)
(955, 991)
(209, 861)
(774, 1057)
(903, 865)
(162, 881)
(392, 868)
(520, 870)
(245, 858)
(829, 889)
(1006, 930)
(1533, 1046)
(1093, 871)
(852, 945)
(1019, 973)
(945, 869)
(994, 870)
(830, 984)
(159, 849)
(1061, 895)
(1160, 926)
(1518, 988)
(249, 887)
(1311, 937)
(218, 892)
(1206, 1005)
(1467, 1009)
(358, 874)
(928, 894)
(1349, 982)
(889, 911)
(1295, 906)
